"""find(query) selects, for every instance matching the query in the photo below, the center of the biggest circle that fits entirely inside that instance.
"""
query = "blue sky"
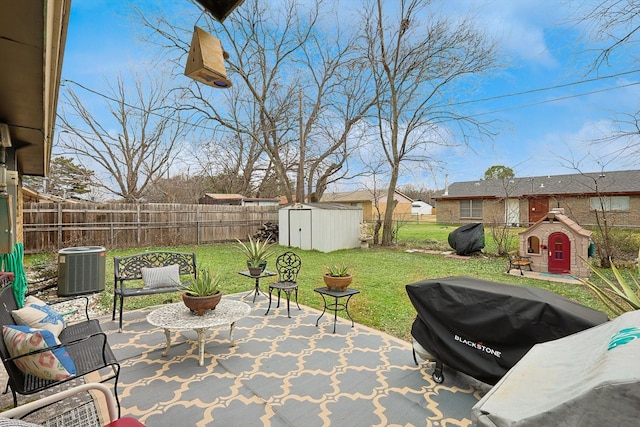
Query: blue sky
(541, 42)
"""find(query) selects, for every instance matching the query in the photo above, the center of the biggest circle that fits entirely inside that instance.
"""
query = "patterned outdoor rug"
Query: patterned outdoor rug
(283, 372)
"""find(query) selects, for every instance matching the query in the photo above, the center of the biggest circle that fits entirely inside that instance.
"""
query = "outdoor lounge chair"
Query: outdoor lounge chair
(83, 342)
(72, 410)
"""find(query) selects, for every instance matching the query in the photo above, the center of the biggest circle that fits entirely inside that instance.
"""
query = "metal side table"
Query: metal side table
(336, 306)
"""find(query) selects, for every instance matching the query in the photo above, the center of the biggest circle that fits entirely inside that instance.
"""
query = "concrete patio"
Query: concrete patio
(283, 372)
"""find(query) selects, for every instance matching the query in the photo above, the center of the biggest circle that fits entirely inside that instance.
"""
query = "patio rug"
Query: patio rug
(283, 372)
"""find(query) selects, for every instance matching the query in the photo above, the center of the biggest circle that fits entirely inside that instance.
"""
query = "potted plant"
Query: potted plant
(337, 277)
(257, 252)
(201, 293)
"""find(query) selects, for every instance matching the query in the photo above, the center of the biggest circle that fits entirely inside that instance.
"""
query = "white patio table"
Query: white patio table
(177, 316)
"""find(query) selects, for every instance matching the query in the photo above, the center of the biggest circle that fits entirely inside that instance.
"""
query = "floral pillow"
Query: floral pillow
(37, 314)
(49, 365)
(160, 277)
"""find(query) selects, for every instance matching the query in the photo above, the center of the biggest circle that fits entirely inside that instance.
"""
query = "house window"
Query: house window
(533, 245)
(612, 203)
(470, 208)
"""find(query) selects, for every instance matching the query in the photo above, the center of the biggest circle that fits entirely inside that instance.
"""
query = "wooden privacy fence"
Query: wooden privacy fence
(53, 226)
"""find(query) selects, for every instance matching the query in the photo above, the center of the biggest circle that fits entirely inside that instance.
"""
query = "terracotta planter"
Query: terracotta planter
(199, 305)
(337, 283)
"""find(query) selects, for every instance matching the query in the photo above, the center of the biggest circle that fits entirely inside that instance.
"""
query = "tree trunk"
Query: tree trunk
(387, 229)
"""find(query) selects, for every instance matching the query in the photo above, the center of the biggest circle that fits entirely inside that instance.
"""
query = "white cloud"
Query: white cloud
(521, 26)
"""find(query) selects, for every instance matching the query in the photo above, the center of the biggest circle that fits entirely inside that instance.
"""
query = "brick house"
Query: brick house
(524, 201)
(366, 199)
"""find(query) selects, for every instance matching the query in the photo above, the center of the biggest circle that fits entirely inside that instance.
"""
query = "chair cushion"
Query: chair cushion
(160, 277)
(37, 314)
(50, 365)
(125, 422)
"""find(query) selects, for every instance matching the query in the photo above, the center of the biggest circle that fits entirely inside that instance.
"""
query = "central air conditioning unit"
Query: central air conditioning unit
(81, 270)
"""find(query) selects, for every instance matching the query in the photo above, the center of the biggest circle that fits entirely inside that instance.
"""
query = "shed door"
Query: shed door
(559, 253)
(300, 228)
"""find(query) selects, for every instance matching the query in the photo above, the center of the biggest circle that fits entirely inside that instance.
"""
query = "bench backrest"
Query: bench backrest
(8, 304)
(129, 267)
(514, 256)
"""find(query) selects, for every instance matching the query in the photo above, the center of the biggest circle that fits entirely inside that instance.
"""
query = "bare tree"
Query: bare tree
(613, 27)
(615, 24)
(418, 192)
(499, 218)
(298, 92)
(129, 149)
(416, 65)
(600, 205)
(180, 188)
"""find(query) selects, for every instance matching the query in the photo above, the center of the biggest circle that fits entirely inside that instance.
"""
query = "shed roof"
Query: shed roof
(607, 183)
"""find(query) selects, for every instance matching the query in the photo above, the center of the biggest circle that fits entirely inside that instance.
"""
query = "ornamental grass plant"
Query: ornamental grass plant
(621, 293)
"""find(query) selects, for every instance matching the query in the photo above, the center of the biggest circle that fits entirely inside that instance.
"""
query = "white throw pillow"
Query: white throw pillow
(37, 314)
(161, 277)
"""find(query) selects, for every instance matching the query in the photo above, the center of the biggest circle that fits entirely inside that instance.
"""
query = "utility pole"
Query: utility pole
(300, 174)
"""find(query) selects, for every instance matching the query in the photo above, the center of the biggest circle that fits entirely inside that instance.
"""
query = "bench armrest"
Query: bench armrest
(27, 408)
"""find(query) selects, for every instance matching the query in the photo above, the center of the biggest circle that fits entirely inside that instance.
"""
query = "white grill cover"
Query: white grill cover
(591, 378)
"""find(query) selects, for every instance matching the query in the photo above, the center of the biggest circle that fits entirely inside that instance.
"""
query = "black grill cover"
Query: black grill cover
(484, 328)
(468, 239)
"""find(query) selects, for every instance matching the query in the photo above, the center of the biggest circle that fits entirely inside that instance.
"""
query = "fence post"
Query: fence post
(138, 224)
(60, 225)
(198, 219)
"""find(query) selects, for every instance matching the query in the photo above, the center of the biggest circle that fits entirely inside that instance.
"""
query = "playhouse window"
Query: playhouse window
(612, 203)
(533, 245)
(470, 208)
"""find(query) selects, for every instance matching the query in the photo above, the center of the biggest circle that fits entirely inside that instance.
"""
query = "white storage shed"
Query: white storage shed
(324, 227)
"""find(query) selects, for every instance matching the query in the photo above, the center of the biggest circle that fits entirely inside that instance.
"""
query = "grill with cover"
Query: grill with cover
(483, 328)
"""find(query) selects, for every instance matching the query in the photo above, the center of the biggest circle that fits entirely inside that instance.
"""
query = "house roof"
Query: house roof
(359, 196)
(221, 196)
(32, 40)
(608, 183)
(30, 193)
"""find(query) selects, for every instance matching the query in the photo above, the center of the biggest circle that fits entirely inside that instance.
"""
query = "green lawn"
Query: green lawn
(380, 274)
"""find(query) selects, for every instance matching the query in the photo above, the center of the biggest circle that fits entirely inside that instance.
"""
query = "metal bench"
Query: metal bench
(519, 262)
(85, 342)
(127, 272)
